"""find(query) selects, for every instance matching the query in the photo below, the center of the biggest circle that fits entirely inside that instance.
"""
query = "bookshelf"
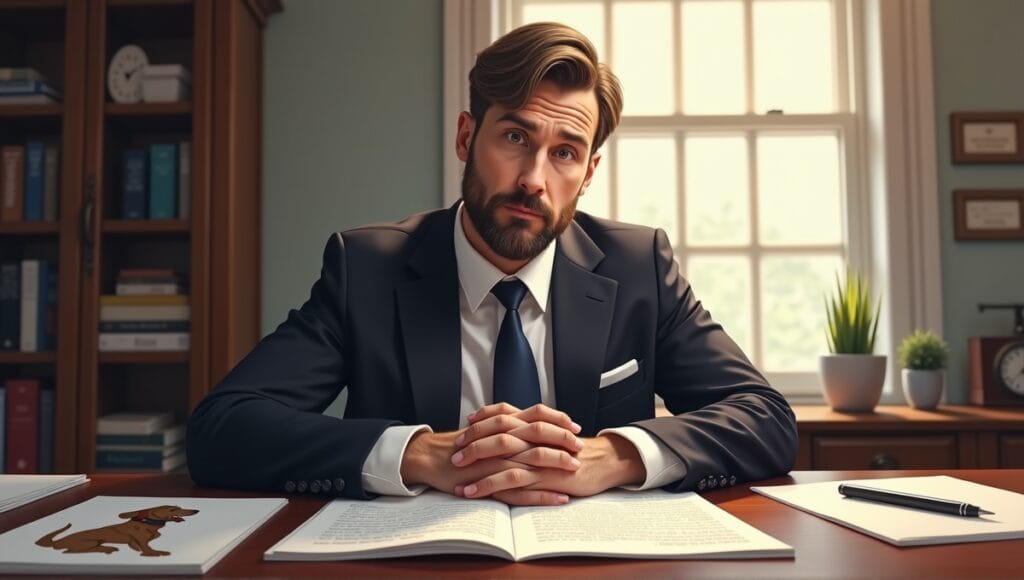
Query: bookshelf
(215, 248)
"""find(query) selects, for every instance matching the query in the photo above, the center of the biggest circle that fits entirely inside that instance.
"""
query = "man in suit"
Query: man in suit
(507, 347)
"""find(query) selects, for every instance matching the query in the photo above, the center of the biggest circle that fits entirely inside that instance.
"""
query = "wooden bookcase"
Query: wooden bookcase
(216, 247)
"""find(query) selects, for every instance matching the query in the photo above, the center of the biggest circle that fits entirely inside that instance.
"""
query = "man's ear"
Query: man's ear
(464, 135)
(595, 159)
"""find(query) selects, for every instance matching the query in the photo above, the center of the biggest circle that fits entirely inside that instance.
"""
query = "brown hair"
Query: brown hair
(508, 71)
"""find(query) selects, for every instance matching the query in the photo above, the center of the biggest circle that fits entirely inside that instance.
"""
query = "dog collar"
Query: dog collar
(149, 522)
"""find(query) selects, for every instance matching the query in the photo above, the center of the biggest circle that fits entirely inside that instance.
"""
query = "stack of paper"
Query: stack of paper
(904, 526)
(18, 490)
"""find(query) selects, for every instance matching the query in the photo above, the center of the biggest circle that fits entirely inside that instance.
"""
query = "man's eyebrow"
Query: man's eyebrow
(518, 119)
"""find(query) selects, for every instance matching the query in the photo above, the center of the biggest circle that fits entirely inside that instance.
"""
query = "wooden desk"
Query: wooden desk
(823, 549)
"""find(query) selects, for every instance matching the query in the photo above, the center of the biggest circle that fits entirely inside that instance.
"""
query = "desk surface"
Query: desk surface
(823, 549)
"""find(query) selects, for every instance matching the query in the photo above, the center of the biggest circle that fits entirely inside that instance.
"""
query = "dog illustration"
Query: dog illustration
(142, 527)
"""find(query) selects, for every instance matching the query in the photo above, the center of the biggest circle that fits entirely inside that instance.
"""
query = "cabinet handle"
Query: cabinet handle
(883, 461)
(88, 233)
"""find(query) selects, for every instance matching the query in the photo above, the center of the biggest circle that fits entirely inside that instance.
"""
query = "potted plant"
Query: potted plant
(923, 357)
(852, 375)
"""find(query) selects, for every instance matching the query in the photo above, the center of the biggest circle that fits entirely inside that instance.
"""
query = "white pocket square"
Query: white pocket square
(618, 373)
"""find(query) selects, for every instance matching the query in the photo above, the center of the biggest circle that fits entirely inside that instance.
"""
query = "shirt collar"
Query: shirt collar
(477, 276)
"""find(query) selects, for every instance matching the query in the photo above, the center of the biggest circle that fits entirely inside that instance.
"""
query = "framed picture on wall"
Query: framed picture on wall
(990, 137)
(995, 214)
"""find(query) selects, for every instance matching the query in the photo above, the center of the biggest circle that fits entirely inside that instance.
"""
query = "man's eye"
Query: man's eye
(565, 154)
(515, 137)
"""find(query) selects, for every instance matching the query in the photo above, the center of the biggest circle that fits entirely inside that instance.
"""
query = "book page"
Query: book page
(653, 524)
(431, 523)
(904, 526)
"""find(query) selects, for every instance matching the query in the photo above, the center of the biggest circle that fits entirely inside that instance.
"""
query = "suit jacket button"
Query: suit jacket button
(702, 485)
(314, 486)
(289, 486)
(712, 482)
(723, 482)
(732, 480)
(339, 484)
(301, 486)
(326, 485)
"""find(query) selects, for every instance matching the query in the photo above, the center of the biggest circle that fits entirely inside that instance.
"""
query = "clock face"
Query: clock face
(1010, 367)
(124, 75)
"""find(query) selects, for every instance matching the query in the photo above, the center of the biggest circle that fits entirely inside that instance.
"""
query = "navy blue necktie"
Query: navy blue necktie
(515, 371)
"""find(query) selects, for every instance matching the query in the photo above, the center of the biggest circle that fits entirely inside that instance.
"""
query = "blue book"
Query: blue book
(49, 308)
(10, 306)
(47, 407)
(134, 198)
(35, 158)
(160, 460)
(163, 181)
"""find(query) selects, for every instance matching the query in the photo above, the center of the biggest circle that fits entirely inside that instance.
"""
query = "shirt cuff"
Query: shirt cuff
(382, 470)
(663, 466)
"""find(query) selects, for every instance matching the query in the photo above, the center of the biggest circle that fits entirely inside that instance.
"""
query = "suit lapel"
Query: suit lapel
(583, 304)
(428, 312)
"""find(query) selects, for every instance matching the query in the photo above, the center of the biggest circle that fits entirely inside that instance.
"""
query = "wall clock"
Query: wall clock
(124, 74)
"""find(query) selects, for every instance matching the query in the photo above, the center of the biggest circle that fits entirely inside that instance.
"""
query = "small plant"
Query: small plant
(923, 351)
(851, 324)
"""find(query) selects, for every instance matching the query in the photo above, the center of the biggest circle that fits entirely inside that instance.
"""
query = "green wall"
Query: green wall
(978, 59)
(353, 134)
(351, 130)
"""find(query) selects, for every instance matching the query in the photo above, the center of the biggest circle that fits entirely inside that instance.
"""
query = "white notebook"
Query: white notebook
(134, 535)
(18, 490)
(905, 526)
(652, 524)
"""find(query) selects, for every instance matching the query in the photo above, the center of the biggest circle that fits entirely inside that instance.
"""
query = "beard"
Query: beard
(513, 241)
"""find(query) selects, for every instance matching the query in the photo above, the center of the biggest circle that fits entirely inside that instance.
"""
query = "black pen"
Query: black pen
(921, 502)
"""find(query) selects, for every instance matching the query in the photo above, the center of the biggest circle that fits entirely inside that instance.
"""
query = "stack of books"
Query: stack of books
(148, 312)
(27, 416)
(28, 305)
(26, 86)
(29, 176)
(139, 442)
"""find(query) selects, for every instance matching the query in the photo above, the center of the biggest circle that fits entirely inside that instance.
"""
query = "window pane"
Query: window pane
(794, 56)
(646, 182)
(642, 56)
(793, 310)
(713, 54)
(799, 189)
(717, 191)
(597, 199)
(722, 283)
(587, 17)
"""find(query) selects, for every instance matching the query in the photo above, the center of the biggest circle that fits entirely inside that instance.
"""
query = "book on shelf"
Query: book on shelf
(131, 423)
(35, 161)
(134, 535)
(144, 341)
(12, 183)
(28, 88)
(51, 182)
(615, 524)
(47, 424)
(22, 451)
(184, 179)
(143, 326)
(20, 73)
(38, 305)
(143, 282)
(10, 306)
(121, 459)
(166, 437)
(18, 490)
(27, 99)
(134, 177)
(163, 181)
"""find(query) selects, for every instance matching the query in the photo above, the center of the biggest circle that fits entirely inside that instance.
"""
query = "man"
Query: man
(507, 347)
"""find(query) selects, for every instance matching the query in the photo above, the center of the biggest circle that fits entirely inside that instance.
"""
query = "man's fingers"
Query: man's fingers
(500, 445)
(547, 457)
(488, 427)
(488, 411)
(531, 497)
(513, 478)
(545, 414)
(548, 435)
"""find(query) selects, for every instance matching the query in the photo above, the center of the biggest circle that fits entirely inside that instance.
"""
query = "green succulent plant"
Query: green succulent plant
(923, 350)
(851, 324)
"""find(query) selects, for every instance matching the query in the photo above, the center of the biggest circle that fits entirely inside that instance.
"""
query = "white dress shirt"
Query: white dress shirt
(481, 314)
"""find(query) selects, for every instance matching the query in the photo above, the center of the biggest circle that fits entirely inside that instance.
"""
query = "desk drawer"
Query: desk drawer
(1011, 451)
(930, 452)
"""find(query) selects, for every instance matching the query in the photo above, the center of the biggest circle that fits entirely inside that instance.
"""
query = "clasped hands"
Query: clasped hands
(520, 457)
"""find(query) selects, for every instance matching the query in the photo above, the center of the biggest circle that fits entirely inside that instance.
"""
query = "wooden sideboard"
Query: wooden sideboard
(900, 437)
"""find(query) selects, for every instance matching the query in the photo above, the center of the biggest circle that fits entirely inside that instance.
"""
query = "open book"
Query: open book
(134, 535)
(904, 526)
(652, 524)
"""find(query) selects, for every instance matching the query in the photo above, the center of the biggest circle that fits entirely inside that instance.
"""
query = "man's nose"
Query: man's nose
(531, 179)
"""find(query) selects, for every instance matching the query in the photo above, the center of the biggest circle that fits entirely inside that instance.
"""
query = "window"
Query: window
(744, 137)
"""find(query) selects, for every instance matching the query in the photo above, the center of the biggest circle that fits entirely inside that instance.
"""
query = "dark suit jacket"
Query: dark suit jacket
(383, 321)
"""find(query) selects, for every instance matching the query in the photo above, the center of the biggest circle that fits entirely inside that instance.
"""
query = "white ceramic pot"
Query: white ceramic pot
(923, 389)
(852, 382)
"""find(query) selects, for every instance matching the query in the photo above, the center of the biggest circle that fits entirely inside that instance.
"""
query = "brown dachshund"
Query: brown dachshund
(142, 528)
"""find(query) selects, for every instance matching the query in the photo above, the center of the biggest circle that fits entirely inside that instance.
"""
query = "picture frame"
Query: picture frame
(992, 214)
(987, 137)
